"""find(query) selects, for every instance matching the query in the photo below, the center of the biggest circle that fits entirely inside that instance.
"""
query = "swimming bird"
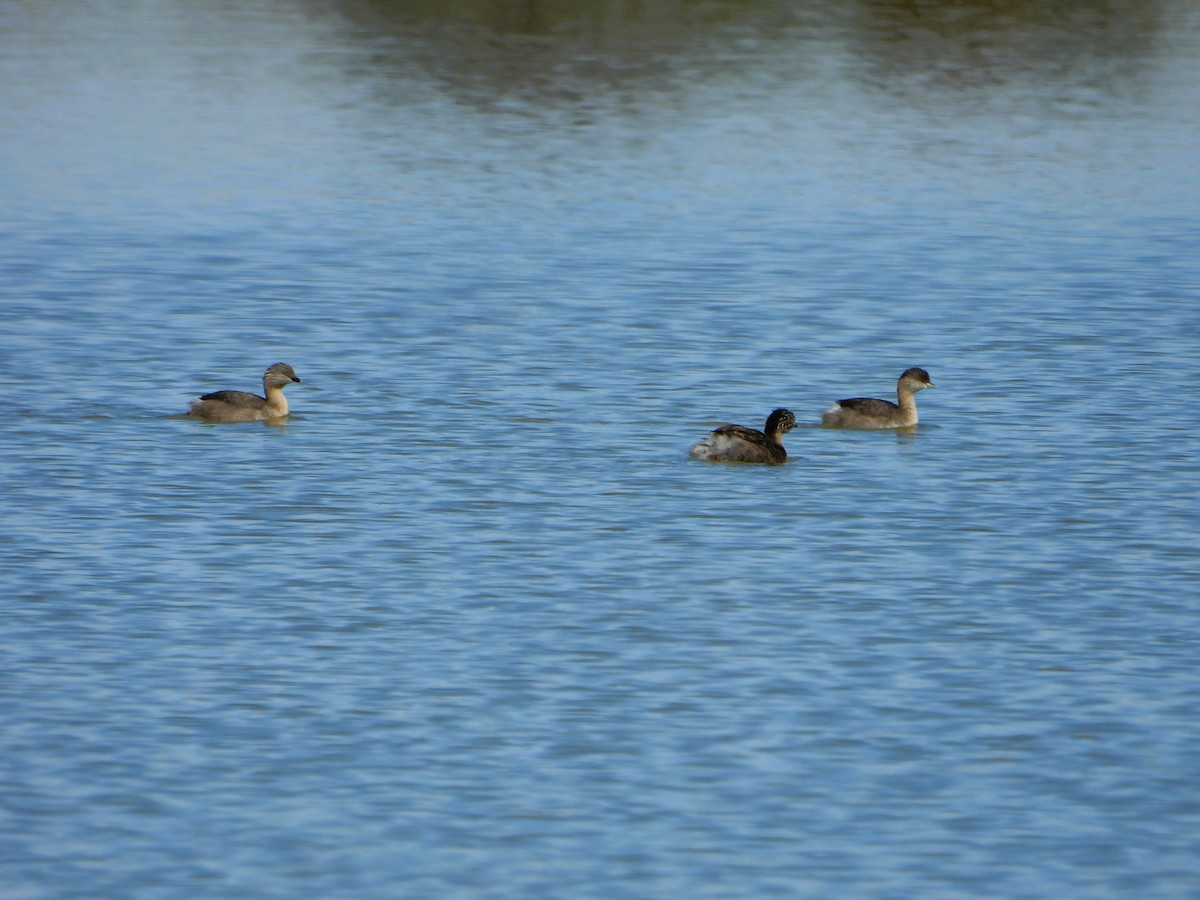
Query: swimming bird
(240, 406)
(736, 443)
(866, 412)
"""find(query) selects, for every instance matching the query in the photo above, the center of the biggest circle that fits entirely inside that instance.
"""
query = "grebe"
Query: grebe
(736, 443)
(865, 412)
(239, 406)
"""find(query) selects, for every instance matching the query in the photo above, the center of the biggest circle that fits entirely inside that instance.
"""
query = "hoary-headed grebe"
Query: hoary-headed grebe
(866, 412)
(736, 443)
(240, 406)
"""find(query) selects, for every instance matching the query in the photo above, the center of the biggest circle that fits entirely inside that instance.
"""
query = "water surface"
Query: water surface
(471, 623)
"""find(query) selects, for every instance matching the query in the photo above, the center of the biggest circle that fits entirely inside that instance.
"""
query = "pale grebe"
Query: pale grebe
(736, 443)
(865, 412)
(239, 406)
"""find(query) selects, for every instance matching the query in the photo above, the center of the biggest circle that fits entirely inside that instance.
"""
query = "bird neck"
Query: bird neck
(276, 401)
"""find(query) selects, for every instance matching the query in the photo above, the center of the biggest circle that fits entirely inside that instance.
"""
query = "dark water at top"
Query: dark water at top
(471, 623)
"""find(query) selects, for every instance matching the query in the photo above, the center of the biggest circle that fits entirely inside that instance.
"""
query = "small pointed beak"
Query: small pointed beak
(297, 379)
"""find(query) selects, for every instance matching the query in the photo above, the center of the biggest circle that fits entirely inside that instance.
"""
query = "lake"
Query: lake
(470, 623)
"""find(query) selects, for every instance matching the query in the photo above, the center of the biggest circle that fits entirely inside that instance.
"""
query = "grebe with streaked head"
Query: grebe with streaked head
(867, 412)
(736, 443)
(240, 406)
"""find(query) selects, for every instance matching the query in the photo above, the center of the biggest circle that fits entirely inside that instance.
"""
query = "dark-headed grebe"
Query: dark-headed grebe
(865, 412)
(239, 406)
(736, 443)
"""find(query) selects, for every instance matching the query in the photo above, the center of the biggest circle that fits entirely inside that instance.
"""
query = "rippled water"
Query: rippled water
(471, 623)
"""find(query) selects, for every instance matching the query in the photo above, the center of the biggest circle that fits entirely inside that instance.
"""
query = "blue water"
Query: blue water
(471, 624)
